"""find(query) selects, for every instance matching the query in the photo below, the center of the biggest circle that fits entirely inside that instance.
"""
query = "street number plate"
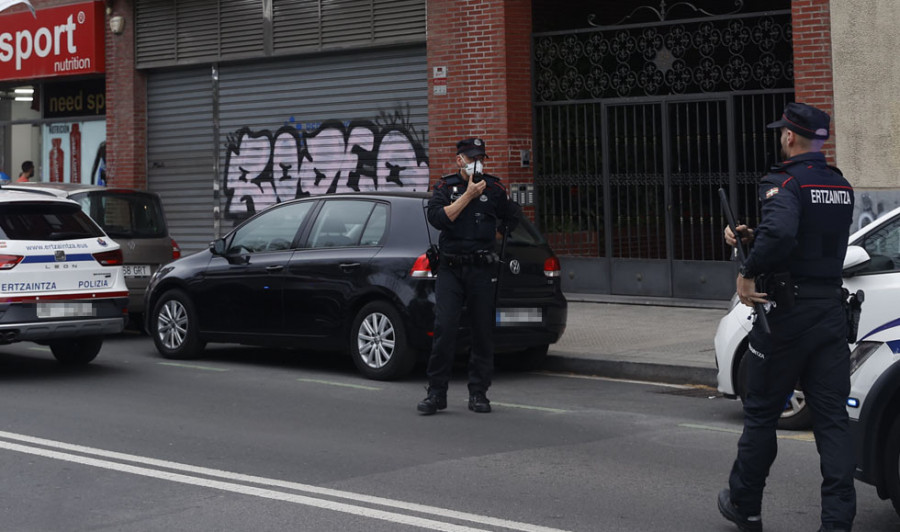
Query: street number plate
(64, 309)
(131, 270)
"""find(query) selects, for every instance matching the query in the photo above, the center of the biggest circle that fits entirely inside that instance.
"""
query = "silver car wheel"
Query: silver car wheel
(172, 324)
(375, 340)
(795, 404)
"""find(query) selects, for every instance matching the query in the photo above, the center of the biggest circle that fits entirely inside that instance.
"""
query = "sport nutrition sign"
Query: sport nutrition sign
(59, 41)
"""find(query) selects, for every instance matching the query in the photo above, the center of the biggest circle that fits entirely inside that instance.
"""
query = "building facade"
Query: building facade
(613, 123)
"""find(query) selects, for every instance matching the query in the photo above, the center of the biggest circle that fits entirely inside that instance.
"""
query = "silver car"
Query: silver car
(133, 218)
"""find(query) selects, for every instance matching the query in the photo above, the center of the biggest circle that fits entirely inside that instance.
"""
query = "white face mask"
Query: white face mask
(474, 167)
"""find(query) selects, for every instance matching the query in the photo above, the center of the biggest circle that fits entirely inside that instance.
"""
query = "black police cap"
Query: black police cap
(804, 120)
(471, 147)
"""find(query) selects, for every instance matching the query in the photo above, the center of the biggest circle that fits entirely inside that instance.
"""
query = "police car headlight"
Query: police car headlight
(861, 353)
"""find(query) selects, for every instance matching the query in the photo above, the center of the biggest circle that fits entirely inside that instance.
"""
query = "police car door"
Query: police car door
(880, 277)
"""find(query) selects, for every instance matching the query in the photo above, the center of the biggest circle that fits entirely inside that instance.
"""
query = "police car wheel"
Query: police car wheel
(378, 343)
(796, 415)
(76, 351)
(892, 464)
(174, 326)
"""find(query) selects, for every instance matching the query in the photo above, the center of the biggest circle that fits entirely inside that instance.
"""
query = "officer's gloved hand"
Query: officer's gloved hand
(745, 232)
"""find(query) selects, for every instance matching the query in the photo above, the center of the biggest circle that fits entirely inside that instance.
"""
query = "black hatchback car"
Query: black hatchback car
(344, 272)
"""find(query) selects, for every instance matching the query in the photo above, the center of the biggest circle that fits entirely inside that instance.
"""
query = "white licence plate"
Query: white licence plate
(66, 309)
(131, 270)
(519, 316)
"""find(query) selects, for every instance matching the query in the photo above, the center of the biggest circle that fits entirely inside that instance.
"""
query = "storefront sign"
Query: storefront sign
(74, 98)
(59, 41)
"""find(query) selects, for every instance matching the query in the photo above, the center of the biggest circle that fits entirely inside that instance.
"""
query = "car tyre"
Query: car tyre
(174, 326)
(892, 465)
(76, 351)
(796, 416)
(378, 343)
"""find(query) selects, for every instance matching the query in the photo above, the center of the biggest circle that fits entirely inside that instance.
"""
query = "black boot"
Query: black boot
(745, 523)
(433, 402)
(478, 402)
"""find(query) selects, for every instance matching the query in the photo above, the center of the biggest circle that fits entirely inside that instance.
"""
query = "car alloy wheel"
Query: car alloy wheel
(175, 324)
(172, 324)
(378, 342)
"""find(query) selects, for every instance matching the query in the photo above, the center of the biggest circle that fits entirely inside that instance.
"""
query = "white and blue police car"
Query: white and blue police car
(874, 408)
(61, 280)
(872, 265)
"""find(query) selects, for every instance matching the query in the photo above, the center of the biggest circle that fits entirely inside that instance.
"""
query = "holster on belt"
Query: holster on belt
(778, 287)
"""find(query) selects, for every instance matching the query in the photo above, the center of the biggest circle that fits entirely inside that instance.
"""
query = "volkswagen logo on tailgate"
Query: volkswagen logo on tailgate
(515, 267)
(60, 255)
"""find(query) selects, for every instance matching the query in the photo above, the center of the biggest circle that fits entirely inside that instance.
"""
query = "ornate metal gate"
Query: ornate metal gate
(636, 128)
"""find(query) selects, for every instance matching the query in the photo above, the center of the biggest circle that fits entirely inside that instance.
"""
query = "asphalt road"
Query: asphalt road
(263, 440)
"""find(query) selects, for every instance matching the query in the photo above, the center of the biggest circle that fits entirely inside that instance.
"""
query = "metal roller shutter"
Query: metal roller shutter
(325, 124)
(180, 152)
(335, 123)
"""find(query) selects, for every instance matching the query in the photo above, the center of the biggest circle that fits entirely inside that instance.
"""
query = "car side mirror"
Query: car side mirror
(855, 260)
(217, 246)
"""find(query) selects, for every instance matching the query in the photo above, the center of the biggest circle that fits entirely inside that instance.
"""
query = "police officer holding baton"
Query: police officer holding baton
(795, 263)
(467, 207)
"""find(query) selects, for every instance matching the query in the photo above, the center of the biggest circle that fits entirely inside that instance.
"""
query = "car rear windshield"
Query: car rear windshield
(526, 233)
(125, 214)
(42, 221)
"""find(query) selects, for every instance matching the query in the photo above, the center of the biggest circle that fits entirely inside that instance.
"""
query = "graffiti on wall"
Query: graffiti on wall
(265, 167)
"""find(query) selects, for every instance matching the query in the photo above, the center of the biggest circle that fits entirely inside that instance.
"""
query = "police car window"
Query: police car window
(883, 247)
(273, 230)
(375, 227)
(29, 221)
(340, 223)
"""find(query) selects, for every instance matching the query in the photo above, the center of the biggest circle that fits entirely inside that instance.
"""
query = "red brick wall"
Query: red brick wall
(126, 106)
(485, 45)
(813, 82)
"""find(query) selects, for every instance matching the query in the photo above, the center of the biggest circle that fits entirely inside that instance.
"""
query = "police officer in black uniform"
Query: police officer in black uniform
(796, 261)
(469, 208)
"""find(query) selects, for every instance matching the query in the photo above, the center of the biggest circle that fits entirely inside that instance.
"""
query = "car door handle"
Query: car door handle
(348, 267)
(275, 268)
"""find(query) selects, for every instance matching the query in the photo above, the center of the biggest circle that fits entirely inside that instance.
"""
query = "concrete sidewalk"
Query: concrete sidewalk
(651, 339)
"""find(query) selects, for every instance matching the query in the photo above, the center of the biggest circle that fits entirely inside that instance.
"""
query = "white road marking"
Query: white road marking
(191, 366)
(610, 379)
(527, 407)
(343, 384)
(801, 436)
(233, 487)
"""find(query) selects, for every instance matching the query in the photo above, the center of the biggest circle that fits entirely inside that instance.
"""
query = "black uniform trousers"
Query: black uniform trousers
(808, 344)
(472, 285)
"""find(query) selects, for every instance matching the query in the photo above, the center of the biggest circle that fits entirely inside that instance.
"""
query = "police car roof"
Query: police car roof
(882, 218)
(17, 196)
(61, 190)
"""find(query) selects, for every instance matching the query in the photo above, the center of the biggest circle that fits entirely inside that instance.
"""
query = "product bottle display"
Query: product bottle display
(75, 154)
(57, 162)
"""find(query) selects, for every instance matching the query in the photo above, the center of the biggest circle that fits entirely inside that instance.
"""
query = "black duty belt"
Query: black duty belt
(478, 258)
(812, 291)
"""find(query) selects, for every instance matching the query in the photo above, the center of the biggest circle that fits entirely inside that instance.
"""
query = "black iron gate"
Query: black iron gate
(636, 128)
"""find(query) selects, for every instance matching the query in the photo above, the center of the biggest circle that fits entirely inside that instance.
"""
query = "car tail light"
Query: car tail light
(552, 267)
(110, 258)
(8, 262)
(176, 251)
(421, 268)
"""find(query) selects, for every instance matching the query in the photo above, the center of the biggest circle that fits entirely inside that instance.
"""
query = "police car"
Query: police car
(874, 408)
(872, 265)
(61, 281)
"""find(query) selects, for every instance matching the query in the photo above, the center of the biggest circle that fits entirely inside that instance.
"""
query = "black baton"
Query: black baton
(742, 256)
